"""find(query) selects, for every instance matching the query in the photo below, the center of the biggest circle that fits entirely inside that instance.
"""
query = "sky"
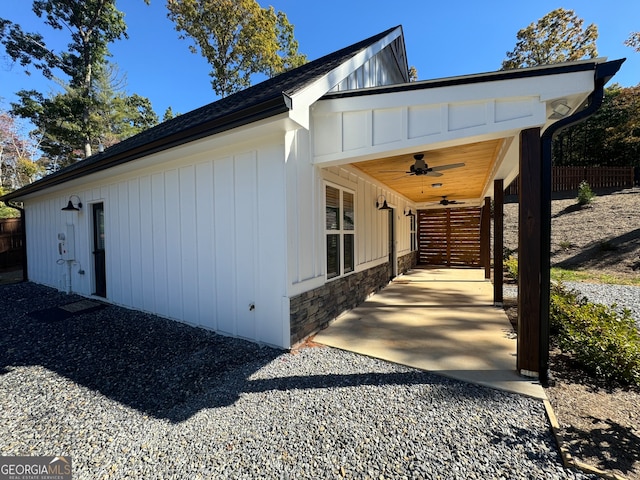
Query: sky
(442, 39)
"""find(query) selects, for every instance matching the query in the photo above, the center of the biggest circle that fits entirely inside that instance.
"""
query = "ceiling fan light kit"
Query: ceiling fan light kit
(420, 167)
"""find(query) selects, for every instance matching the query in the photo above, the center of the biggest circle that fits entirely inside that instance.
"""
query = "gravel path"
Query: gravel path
(623, 296)
(130, 395)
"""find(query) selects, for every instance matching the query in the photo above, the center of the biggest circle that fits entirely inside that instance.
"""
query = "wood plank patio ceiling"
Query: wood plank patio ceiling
(459, 183)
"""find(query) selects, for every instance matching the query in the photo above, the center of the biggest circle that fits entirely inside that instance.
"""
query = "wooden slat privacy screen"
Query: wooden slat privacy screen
(449, 237)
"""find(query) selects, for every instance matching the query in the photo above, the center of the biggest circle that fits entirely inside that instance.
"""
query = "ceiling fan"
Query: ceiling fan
(420, 167)
(446, 202)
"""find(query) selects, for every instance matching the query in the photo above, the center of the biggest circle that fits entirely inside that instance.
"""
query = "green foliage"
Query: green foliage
(238, 38)
(566, 245)
(610, 137)
(8, 212)
(585, 194)
(511, 264)
(605, 342)
(556, 37)
(5, 211)
(564, 275)
(69, 123)
(168, 114)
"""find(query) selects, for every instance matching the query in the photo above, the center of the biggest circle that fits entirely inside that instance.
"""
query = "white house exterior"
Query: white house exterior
(256, 216)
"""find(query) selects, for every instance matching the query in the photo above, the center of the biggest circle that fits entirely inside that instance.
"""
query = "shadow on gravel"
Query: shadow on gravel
(160, 367)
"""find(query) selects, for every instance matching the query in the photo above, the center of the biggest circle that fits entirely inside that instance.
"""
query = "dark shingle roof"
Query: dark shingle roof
(260, 101)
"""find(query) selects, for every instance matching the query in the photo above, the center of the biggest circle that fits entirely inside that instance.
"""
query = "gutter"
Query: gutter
(603, 73)
(23, 228)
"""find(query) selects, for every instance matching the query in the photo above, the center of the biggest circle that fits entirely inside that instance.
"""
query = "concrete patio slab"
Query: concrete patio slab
(440, 320)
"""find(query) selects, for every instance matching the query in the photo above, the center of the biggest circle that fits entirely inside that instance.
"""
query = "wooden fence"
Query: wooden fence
(568, 178)
(11, 242)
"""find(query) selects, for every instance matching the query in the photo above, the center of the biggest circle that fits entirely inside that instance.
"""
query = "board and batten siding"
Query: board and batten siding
(200, 240)
(305, 216)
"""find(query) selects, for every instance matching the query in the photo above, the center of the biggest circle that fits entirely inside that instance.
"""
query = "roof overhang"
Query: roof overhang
(97, 167)
(474, 119)
(300, 101)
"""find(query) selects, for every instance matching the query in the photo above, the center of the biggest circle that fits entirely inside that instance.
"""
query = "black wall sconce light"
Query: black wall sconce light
(409, 213)
(382, 205)
(71, 207)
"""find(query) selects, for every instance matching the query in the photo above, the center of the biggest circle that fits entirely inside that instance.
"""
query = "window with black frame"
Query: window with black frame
(340, 231)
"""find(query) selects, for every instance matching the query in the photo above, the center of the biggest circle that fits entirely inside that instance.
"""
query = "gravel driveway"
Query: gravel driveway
(131, 395)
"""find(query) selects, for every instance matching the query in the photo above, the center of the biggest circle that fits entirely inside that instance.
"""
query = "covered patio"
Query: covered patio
(437, 319)
(441, 144)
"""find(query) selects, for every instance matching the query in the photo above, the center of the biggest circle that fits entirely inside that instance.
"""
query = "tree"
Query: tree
(17, 150)
(62, 124)
(556, 37)
(168, 114)
(413, 74)
(633, 41)
(238, 38)
(66, 121)
(5, 211)
(611, 137)
(116, 115)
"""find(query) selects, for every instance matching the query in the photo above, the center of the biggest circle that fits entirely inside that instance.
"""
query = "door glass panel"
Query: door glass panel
(99, 229)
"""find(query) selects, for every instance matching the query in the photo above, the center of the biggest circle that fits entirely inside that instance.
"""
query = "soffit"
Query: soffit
(463, 183)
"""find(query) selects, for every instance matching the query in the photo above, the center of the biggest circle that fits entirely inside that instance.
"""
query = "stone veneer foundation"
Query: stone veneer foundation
(313, 310)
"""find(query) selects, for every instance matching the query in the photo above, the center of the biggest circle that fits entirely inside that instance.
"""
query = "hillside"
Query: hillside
(603, 236)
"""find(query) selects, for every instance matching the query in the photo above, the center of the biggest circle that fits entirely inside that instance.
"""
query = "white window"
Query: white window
(340, 231)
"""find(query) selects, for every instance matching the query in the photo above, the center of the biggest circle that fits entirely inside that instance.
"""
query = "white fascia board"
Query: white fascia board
(300, 102)
(541, 88)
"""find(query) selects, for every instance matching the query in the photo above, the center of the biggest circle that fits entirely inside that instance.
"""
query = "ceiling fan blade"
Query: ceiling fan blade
(431, 173)
(447, 167)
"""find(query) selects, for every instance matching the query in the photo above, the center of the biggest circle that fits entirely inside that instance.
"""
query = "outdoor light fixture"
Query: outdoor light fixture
(560, 108)
(409, 213)
(436, 185)
(71, 207)
(382, 205)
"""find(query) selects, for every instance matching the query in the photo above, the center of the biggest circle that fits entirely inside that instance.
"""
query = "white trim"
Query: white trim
(341, 232)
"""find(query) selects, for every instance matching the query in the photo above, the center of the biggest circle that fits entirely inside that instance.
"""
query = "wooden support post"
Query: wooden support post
(485, 237)
(529, 253)
(498, 241)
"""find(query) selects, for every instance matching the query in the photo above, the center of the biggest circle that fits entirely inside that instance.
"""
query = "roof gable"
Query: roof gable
(263, 100)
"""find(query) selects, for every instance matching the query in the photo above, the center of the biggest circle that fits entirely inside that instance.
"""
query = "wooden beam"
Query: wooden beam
(485, 237)
(498, 241)
(529, 253)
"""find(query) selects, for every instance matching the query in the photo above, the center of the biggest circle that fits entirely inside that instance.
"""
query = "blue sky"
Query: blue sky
(442, 38)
